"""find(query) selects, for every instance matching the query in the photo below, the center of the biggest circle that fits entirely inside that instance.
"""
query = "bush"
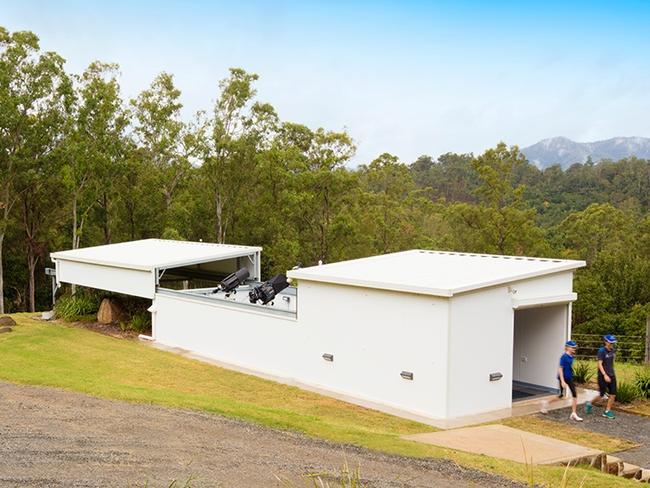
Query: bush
(73, 307)
(583, 373)
(642, 381)
(627, 392)
(140, 322)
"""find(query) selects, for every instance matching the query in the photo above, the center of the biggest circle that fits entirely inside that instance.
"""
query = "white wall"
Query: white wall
(539, 337)
(374, 335)
(480, 343)
(253, 340)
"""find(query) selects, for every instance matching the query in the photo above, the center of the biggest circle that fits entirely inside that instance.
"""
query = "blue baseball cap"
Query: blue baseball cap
(571, 344)
(610, 338)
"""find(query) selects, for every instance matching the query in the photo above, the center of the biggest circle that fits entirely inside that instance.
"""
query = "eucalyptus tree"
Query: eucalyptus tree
(94, 140)
(271, 198)
(230, 140)
(501, 222)
(393, 204)
(164, 140)
(33, 91)
(325, 197)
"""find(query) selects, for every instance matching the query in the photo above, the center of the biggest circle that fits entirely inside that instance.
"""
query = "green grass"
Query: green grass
(624, 371)
(57, 355)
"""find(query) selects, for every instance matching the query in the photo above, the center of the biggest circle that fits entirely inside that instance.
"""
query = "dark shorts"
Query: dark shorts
(604, 387)
(571, 386)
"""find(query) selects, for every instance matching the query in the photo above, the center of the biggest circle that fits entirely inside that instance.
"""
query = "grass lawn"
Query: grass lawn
(624, 371)
(50, 354)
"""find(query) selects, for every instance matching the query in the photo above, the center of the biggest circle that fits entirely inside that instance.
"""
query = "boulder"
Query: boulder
(5, 329)
(7, 321)
(109, 312)
(49, 315)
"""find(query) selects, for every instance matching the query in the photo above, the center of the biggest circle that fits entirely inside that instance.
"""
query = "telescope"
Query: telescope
(267, 291)
(232, 281)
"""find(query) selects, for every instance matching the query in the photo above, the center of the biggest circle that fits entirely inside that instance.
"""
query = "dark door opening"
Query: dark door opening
(539, 335)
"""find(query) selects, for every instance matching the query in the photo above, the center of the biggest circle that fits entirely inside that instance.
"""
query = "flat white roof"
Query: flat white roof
(149, 254)
(437, 273)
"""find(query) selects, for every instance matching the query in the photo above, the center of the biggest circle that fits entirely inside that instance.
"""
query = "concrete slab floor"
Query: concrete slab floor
(504, 442)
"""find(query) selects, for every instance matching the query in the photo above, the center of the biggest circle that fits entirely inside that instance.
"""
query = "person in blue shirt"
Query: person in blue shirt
(606, 375)
(565, 377)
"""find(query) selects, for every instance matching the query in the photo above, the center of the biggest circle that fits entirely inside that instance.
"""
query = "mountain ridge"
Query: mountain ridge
(565, 152)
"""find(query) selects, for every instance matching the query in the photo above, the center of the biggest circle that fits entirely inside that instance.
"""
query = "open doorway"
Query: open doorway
(539, 336)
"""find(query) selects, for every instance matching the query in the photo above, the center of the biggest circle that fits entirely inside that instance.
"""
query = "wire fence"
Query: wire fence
(628, 348)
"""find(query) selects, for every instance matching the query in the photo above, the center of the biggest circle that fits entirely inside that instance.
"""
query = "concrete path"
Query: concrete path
(504, 442)
(55, 438)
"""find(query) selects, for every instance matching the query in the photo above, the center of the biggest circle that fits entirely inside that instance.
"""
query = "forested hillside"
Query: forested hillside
(80, 165)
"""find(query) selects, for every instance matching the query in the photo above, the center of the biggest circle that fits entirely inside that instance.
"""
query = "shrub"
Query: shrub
(642, 381)
(140, 322)
(627, 392)
(583, 373)
(73, 307)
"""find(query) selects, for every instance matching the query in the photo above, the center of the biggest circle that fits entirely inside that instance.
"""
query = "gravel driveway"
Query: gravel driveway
(51, 437)
(626, 425)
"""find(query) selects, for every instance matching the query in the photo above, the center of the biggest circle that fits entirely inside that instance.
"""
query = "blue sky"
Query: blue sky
(409, 77)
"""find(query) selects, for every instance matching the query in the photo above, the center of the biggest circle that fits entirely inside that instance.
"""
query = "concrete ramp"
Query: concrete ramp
(504, 442)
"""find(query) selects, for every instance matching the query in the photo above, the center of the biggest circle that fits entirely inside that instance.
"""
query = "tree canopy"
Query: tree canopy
(80, 165)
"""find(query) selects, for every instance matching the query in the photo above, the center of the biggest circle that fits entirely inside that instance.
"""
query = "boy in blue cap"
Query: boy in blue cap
(565, 377)
(606, 375)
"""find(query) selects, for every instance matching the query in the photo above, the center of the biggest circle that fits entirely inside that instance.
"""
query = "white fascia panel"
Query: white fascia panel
(438, 273)
(543, 301)
(136, 282)
(421, 290)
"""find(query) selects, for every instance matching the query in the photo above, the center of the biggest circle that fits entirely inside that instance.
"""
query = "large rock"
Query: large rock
(5, 329)
(109, 312)
(7, 321)
(48, 315)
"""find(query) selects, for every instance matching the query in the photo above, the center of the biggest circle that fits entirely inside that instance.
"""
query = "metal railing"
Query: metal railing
(628, 347)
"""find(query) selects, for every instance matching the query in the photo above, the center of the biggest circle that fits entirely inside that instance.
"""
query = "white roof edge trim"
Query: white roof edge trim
(235, 251)
(560, 266)
(56, 258)
(186, 262)
(420, 290)
(570, 265)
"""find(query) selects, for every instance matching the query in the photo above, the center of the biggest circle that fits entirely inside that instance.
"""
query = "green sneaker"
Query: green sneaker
(589, 408)
(608, 414)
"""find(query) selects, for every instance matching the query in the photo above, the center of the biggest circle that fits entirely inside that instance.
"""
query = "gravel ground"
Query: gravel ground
(51, 437)
(626, 426)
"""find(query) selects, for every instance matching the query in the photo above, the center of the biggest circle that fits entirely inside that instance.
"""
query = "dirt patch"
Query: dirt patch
(51, 437)
(113, 330)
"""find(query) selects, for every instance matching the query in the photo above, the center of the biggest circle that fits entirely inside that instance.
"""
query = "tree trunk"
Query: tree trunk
(107, 226)
(219, 209)
(74, 222)
(74, 232)
(2, 283)
(31, 267)
(132, 222)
